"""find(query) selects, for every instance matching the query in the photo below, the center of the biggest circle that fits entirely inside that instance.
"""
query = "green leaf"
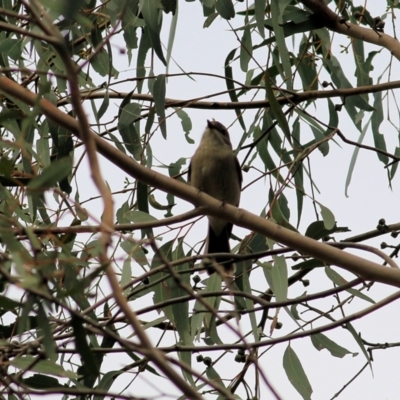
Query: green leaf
(130, 37)
(296, 374)
(277, 11)
(333, 66)
(6, 167)
(213, 285)
(320, 138)
(250, 305)
(158, 206)
(231, 87)
(328, 217)
(121, 212)
(151, 14)
(186, 123)
(89, 363)
(185, 357)
(11, 125)
(130, 22)
(126, 275)
(338, 280)
(170, 6)
(159, 102)
(143, 202)
(359, 59)
(317, 230)
(298, 172)
(105, 383)
(354, 157)
(265, 155)
(197, 317)
(376, 120)
(41, 366)
(246, 47)
(101, 63)
(357, 338)
(199, 314)
(64, 148)
(135, 251)
(39, 381)
(7, 304)
(177, 289)
(213, 376)
(95, 36)
(173, 6)
(130, 113)
(333, 118)
(225, 8)
(51, 175)
(138, 217)
(278, 211)
(12, 48)
(209, 20)
(161, 292)
(259, 11)
(150, 10)
(149, 125)
(144, 47)
(104, 105)
(46, 331)
(307, 68)
(277, 276)
(24, 321)
(367, 18)
(276, 108)
(393, 168)
(293, 310)
(208, 3)
(321, 341)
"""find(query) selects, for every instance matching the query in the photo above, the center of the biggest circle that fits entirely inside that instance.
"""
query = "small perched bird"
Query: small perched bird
(215, 170)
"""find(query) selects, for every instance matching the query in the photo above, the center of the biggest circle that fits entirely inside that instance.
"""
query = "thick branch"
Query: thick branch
(333, 22)
(357, 265)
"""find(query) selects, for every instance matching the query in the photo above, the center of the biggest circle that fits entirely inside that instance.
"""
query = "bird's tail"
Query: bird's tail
(220, 244)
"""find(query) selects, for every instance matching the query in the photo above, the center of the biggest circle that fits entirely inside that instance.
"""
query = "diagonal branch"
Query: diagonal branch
(334, 23)
(367, 269)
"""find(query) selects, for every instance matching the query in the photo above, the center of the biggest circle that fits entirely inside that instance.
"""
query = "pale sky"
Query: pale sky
(204, 50)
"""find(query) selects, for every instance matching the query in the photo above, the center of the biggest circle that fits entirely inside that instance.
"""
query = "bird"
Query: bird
(215, 170)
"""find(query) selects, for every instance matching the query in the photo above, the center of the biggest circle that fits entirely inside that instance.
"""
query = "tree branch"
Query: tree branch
(253, 104)
(357, 265)
(334, 23)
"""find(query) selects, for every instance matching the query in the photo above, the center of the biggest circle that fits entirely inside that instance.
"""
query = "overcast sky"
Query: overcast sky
(204, 50)
(198, 49)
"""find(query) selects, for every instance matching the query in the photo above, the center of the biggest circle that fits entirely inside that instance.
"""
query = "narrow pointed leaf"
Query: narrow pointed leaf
(296, 374)
(225, 8)
(51, 175)
(159, 101)
(320, 341)
(259, 11)
(88, 359)
(151, 13)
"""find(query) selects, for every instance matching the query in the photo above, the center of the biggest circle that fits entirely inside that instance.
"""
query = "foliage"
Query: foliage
(74, 267)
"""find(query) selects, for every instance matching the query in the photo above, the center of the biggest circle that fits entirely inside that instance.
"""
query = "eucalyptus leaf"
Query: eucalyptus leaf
(225, 8)
(295, 373)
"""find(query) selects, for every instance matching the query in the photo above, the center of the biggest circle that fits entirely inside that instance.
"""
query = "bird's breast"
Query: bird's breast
(215, 173)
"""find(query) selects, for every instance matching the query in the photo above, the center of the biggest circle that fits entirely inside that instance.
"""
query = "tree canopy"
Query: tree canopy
(103, 290)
